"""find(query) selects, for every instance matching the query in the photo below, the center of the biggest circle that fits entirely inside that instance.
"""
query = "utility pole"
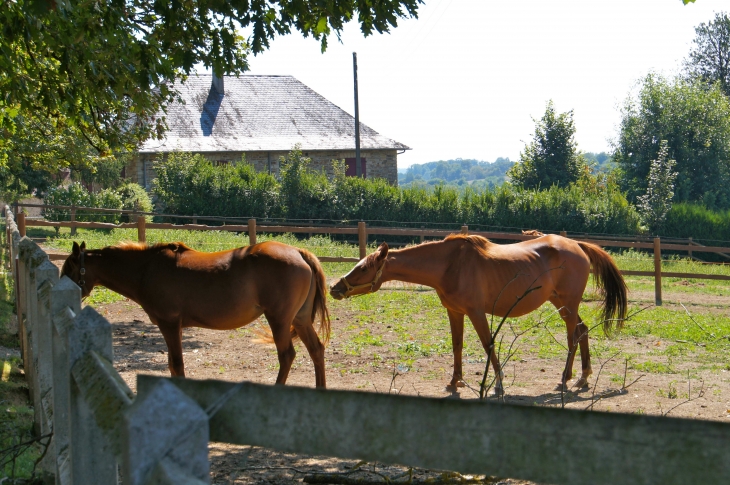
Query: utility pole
(358, 163)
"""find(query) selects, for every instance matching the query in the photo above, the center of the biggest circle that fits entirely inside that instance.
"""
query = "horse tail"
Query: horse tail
(319, 306)
(610, 282)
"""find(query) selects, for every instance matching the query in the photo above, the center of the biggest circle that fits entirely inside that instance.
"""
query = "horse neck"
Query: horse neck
(119, 270)
(424, 264)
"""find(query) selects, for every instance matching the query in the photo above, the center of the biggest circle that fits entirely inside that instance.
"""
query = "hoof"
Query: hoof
(452, 389)
(581, 383)
(561, 387)
(454, 385)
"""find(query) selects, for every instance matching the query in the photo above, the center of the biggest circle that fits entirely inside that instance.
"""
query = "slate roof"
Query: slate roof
(259, 113)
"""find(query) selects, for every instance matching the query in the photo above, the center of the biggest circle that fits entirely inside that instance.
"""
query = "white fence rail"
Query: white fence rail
(101, 430)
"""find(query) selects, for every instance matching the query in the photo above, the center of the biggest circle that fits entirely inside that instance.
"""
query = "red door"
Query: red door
(352, 168)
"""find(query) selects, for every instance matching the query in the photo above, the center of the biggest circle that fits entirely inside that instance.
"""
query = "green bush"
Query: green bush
(76, 194)
(189, 184)
(698, 222)
(134, 197)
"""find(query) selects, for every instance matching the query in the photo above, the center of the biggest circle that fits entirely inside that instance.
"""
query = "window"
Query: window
(351, 170)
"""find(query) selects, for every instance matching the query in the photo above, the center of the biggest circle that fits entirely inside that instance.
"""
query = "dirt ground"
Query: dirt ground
(233, 356)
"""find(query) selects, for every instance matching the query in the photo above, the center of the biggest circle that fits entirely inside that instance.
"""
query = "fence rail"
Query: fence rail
(160, 436)
(363, 231)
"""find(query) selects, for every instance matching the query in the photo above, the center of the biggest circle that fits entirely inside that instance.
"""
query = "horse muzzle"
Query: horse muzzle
(336, 293)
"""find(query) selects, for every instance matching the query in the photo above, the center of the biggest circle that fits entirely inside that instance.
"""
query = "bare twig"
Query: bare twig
(598, 377)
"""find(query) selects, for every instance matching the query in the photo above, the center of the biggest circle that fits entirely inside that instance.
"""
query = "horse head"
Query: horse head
(74, 267)
(364, 278)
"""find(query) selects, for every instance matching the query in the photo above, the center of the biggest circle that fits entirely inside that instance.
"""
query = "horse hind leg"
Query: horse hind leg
(281, 332)
(580, 335)
(481, 325)
(172, 333)
(307, 334)
(456, 320)
(577, 336)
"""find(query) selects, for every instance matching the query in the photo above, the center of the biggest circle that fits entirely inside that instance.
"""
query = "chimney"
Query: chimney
(217, 84)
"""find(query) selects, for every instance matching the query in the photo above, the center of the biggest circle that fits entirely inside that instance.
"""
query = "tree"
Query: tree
(656, 203)
(107, 68)
(695, 121)
(709, 58)
(552, 158)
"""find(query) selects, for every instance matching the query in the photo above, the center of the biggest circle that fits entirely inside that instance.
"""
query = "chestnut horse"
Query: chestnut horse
(179, 287)
(473, 276)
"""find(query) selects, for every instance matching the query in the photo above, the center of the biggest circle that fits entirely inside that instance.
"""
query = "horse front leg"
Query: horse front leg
(172, 333)
(456, 320)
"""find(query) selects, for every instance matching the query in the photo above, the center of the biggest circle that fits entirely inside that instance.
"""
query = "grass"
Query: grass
(16, 414)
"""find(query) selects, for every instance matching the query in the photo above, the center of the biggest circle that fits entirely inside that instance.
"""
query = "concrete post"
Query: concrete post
(65, 305)
(165, 433)
(92, 458)
(30, 256)
(46, 278)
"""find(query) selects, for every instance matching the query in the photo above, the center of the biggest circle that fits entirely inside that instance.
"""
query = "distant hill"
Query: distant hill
(476, 173)
(456, 172)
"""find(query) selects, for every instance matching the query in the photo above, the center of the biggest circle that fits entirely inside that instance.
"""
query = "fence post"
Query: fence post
(141, 229)
(24, 323)
(65, 305)
(465, 229)
(251, 232)
(21, 223)
(657, 272)
(46, 278)
(423, 238)
(362, 238)
(690, 248)
(73, 219)
(33, 258)
(195, 218)
(165, 439)
(92, 460)
(564, 233)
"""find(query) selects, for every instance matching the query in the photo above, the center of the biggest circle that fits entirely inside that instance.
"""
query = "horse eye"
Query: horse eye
(364, 268)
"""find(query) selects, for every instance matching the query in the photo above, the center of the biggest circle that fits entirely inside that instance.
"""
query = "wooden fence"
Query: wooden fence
(161, 435)
(363, 231)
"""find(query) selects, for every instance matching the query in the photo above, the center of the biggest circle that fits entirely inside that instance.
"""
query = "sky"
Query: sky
(468, 77)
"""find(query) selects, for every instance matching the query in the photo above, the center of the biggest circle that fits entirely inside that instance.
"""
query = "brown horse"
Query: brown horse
(179, 287)
(473, 276)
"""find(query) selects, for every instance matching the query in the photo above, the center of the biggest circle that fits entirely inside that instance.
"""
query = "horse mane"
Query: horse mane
(481, 244)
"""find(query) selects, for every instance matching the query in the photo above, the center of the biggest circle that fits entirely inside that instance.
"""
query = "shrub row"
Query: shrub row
(189, 184)
(129, 196)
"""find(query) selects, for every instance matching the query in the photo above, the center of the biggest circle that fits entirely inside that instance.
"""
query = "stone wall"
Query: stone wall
(379, 163)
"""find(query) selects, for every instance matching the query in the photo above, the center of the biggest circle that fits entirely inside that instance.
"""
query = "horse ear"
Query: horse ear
(383, 251)
(75, 250)
(83, 245)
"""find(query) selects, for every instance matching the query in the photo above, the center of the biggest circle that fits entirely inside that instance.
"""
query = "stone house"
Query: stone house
(263, 118)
